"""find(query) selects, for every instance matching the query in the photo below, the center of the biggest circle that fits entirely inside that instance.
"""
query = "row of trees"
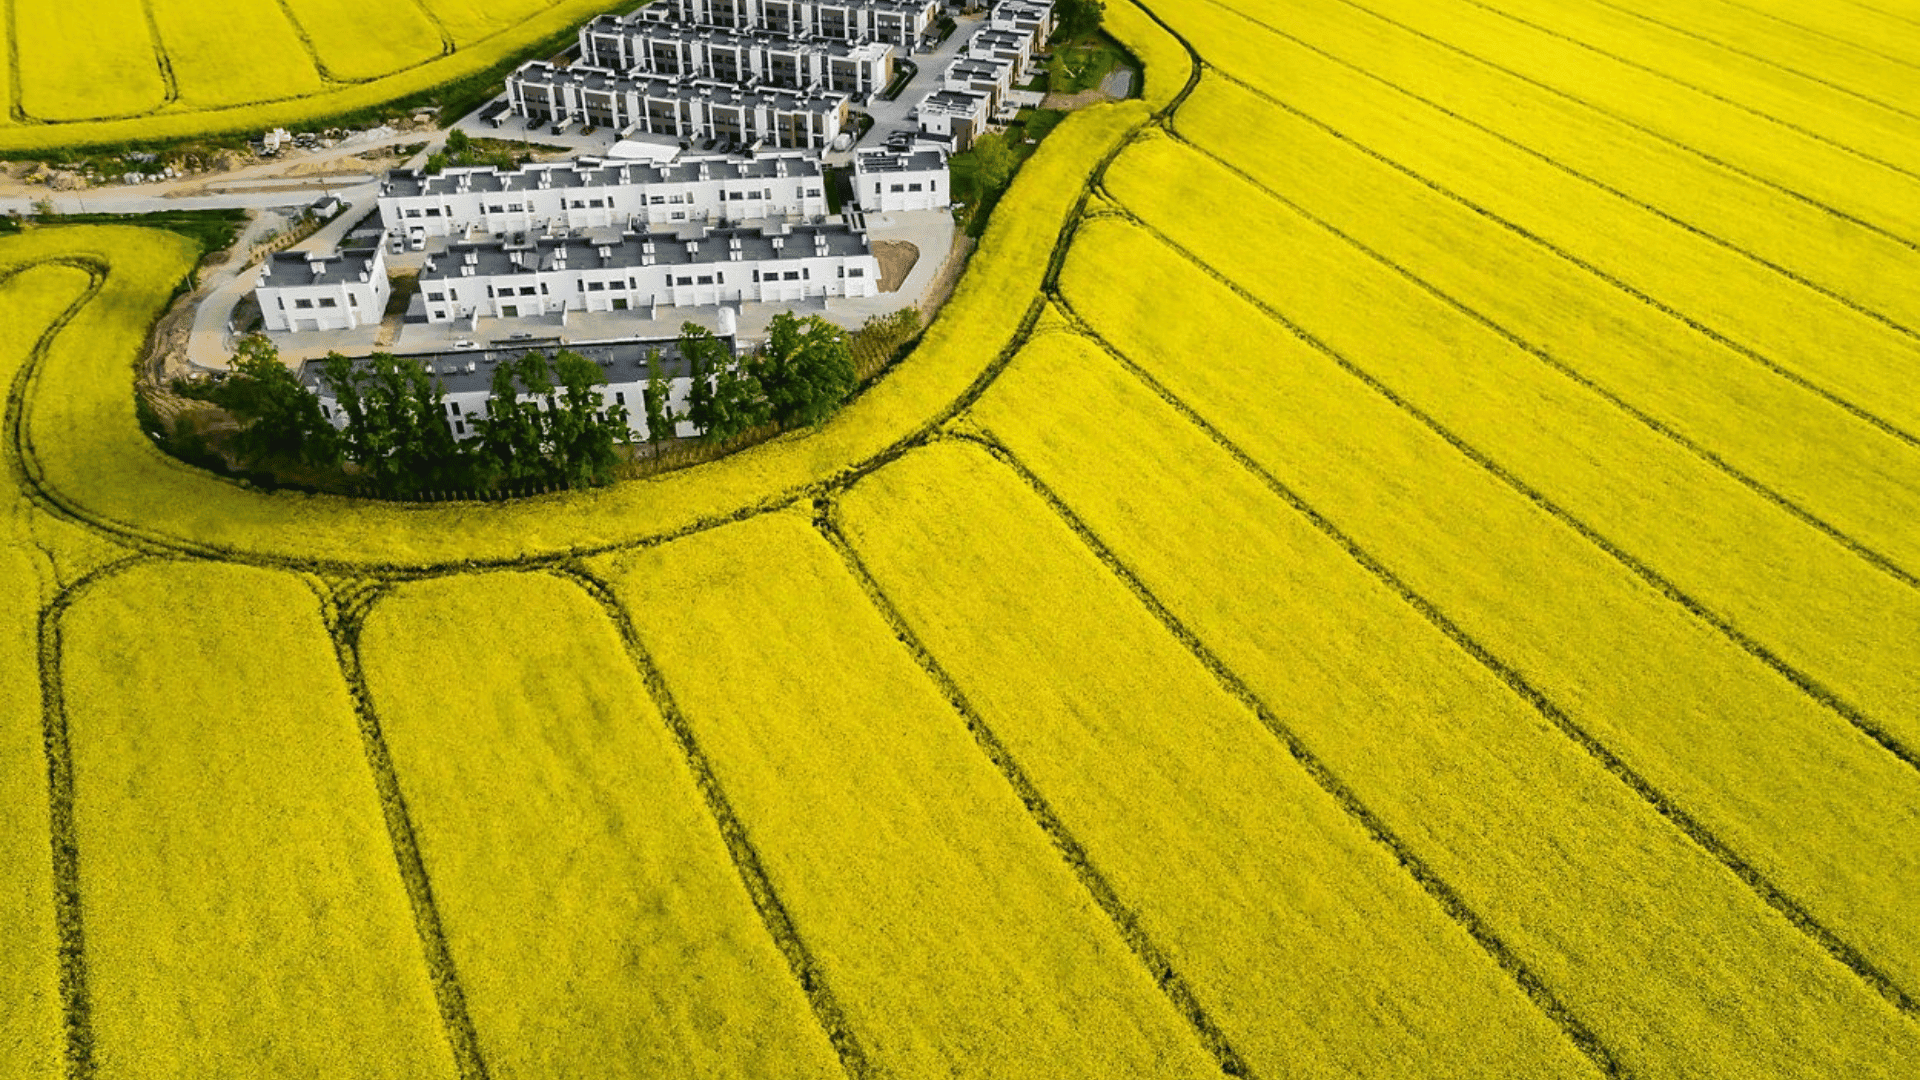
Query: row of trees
(546, 422)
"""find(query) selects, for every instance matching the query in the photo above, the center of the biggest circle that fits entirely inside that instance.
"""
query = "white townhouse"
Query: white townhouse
(466, 379)
(591, 193)
(306, 290)
(689, 109)
(956, 117)
(987, 75)
(906, 23)
(1033, 18)
(639, 46)
(915, 180)
(1012, 46)
(643, 271)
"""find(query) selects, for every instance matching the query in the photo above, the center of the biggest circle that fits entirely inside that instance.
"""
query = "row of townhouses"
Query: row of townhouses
(538, 275)
(906, 23)
(676, 106)
(997, 59)
(306, 290)
(591, 193)
(823, 65)
(466, 379)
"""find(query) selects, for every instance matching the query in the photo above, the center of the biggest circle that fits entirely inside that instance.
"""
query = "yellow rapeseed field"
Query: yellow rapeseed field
(1400, 558)
(120, 71)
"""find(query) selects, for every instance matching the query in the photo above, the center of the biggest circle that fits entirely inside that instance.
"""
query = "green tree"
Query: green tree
(992, 162)
(805, 369)
(704, 356)
(738, 403)
(584, 429)
(279, 417)
(512, 444)
(1074, 19)
(657, 397)
(397, 426)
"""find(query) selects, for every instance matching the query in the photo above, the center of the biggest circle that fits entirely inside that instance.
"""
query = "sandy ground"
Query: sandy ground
(896, 258)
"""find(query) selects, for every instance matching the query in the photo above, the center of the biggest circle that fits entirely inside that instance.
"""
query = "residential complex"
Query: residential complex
(906, 23)
(307, 290)
(591, 193)
(539, 275)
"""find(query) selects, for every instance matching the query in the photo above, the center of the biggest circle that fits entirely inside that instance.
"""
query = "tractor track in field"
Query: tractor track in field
(745, 857)
(1756, 57)
(1803, 382)
(1536, 989)
(1878, 560)
(1540, 701)
(1725, 166)
(1639, 568)
(1174, 986)
(344, 607)
(1804, 29)
(1713, 95)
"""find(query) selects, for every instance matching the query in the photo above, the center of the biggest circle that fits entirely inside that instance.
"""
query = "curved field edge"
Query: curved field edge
(159, 126)
(89, 458)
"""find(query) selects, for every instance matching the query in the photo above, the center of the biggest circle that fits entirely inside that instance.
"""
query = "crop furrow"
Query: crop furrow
(345, 614)
(1692, 323)
(1640, 569)
(1666, 806)
(746, 860)
(1798, 196)
(1126, 923)
(1878, 560)
(1442, 893)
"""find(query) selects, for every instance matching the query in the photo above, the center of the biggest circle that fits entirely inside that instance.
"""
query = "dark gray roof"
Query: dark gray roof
(544, 253)
(623, 361)
(290, 268)
(603, 80)
(594, 172)
(882, 161)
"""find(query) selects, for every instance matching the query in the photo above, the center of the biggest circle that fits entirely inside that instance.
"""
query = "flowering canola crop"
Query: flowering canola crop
(1401, 557)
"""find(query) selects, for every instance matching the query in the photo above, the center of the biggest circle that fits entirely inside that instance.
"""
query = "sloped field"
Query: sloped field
(1401, 559)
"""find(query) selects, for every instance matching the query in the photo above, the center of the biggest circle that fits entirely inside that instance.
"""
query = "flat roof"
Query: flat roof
(496, 258)
(286, 269)
(667, 87)
(595, 173)
(624, 361)
(889, 161)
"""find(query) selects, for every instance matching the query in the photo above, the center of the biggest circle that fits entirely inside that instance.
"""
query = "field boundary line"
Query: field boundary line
(1804, 382)
(1639, 568)
(1894, 15)
(1704, 92)
(344, 608)
(1173, 985)
(76, 1001)
(1755, 57)
(1876, 559)
(1901, 60)
(1538, 993)
(1703, 155)
(1541, 702)
(742, 853)
(313, 51)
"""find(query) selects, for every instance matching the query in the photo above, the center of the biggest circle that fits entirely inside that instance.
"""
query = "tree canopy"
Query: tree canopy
(805, 369)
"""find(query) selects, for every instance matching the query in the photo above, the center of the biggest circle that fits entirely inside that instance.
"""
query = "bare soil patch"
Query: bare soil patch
(897, 258)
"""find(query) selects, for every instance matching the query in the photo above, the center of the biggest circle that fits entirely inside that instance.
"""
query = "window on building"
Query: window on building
(452, 409)
(516, 207)
(706, 279)
(856, 271)
(813, 192)
(436, 314)
(913, 187)
(526, 290)
(619, 303)
(679, 215)
(413, 213)
(433, 211)
(656, 200)
(436, 297)
(596, 203)
(619, 397)
(792, 275)
(459, 427)
(596, 286)
(303, 304)
(496, 208)
(685, 281)
(281, 301)
(578, 204)
(353, 299)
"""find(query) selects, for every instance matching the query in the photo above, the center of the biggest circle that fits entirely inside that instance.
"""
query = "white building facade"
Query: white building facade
(636, 46)
(695, 110)
(885, 181)
(308, 291)
(589, 193)
(906, 23)
(644, 271)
